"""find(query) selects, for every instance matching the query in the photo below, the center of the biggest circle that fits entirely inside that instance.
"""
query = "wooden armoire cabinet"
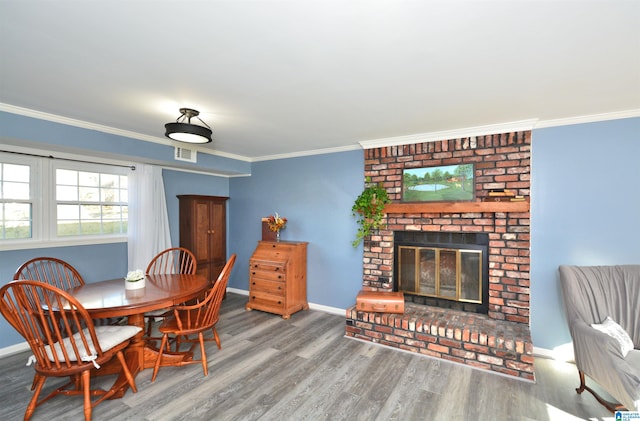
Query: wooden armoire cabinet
(203, 230)
(278, 277)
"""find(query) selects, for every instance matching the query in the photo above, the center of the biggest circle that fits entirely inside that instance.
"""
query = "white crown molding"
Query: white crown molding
(307, 153)
(26, 112)
(593, 118)
(513, 126)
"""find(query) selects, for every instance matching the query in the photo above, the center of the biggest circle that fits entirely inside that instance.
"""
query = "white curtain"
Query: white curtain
(148, 219)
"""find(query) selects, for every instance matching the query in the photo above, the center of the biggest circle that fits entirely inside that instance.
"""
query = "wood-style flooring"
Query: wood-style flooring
(305, 369)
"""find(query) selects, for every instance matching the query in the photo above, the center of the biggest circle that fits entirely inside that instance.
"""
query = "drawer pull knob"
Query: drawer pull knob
(279, 276)
(277, 269)
(253, 273)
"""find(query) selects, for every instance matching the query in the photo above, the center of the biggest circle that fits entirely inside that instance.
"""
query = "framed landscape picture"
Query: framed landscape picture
(436, 184)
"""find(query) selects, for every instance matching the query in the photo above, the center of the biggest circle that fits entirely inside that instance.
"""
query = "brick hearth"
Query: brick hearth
(499, 341)
(467, 338)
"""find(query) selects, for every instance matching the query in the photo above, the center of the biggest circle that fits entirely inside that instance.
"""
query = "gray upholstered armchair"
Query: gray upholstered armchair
(592, 294)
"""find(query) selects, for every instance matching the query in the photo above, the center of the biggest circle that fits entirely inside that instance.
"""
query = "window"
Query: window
(16, 216)
(90, 203)
(61, 201)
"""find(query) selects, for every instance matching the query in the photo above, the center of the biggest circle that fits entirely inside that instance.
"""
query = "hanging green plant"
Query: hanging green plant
(369, 209)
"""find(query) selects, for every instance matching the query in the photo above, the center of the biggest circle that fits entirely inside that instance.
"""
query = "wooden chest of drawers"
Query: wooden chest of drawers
(278, 277)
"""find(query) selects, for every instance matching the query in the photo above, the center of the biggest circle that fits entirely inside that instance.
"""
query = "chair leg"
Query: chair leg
(205, 368)
(216, 337)
(156, 367)
(613, 407)
(38, 382)
(35, 381)
(86, 386)
(127, 372)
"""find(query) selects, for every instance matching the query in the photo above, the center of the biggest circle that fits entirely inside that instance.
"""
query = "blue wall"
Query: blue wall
(585, 210)
(315, 194)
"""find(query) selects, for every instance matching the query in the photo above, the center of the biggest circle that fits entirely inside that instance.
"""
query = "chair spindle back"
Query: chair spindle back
(176, 260)
(50, 270)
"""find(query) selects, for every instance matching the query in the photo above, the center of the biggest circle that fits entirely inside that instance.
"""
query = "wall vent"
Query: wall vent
(183, 154)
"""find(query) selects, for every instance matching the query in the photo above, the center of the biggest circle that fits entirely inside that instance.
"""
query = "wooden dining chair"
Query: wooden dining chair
(58, 273)
(175, 260)
(50, 270)
(188, 320)
(63, 339)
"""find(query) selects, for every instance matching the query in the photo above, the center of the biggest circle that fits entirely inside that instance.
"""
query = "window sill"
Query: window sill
(37, 244)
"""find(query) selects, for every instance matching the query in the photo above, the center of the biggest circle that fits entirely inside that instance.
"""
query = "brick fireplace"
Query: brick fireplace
(499, 340)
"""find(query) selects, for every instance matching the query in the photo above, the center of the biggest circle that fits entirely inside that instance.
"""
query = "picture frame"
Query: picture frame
(442, 183)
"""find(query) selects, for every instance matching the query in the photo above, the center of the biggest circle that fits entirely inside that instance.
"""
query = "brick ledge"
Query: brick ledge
(473, 339)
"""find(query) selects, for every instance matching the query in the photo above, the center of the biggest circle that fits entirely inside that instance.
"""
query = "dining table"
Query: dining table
(109, 299)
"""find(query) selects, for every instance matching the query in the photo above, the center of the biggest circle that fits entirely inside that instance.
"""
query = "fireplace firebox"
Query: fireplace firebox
(440, 269)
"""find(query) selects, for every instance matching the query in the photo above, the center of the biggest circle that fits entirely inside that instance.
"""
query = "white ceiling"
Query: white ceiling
(284, 77)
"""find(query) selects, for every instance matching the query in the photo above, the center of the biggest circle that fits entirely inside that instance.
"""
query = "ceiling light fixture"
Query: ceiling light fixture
(185, 131)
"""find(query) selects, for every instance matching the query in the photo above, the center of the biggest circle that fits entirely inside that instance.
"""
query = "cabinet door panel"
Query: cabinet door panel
(218, 232)
(202, 237)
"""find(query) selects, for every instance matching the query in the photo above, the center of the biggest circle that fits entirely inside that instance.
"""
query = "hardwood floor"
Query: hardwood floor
(305, 369)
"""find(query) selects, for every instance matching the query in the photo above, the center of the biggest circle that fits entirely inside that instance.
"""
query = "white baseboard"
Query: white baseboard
(560, 353)
(327, 309)
(543, 352)
(312, 306)
(238, 291)
(14, 349)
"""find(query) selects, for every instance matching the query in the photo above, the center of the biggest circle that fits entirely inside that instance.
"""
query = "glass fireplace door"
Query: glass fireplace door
(453, 274)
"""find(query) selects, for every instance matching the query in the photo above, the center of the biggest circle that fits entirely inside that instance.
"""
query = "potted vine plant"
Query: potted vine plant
(369, 209)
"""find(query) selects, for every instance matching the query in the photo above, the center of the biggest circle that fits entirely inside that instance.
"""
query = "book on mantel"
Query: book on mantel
(517, 199)
(503, 195)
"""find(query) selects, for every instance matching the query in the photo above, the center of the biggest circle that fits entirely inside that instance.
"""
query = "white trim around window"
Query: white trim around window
(44, 205)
